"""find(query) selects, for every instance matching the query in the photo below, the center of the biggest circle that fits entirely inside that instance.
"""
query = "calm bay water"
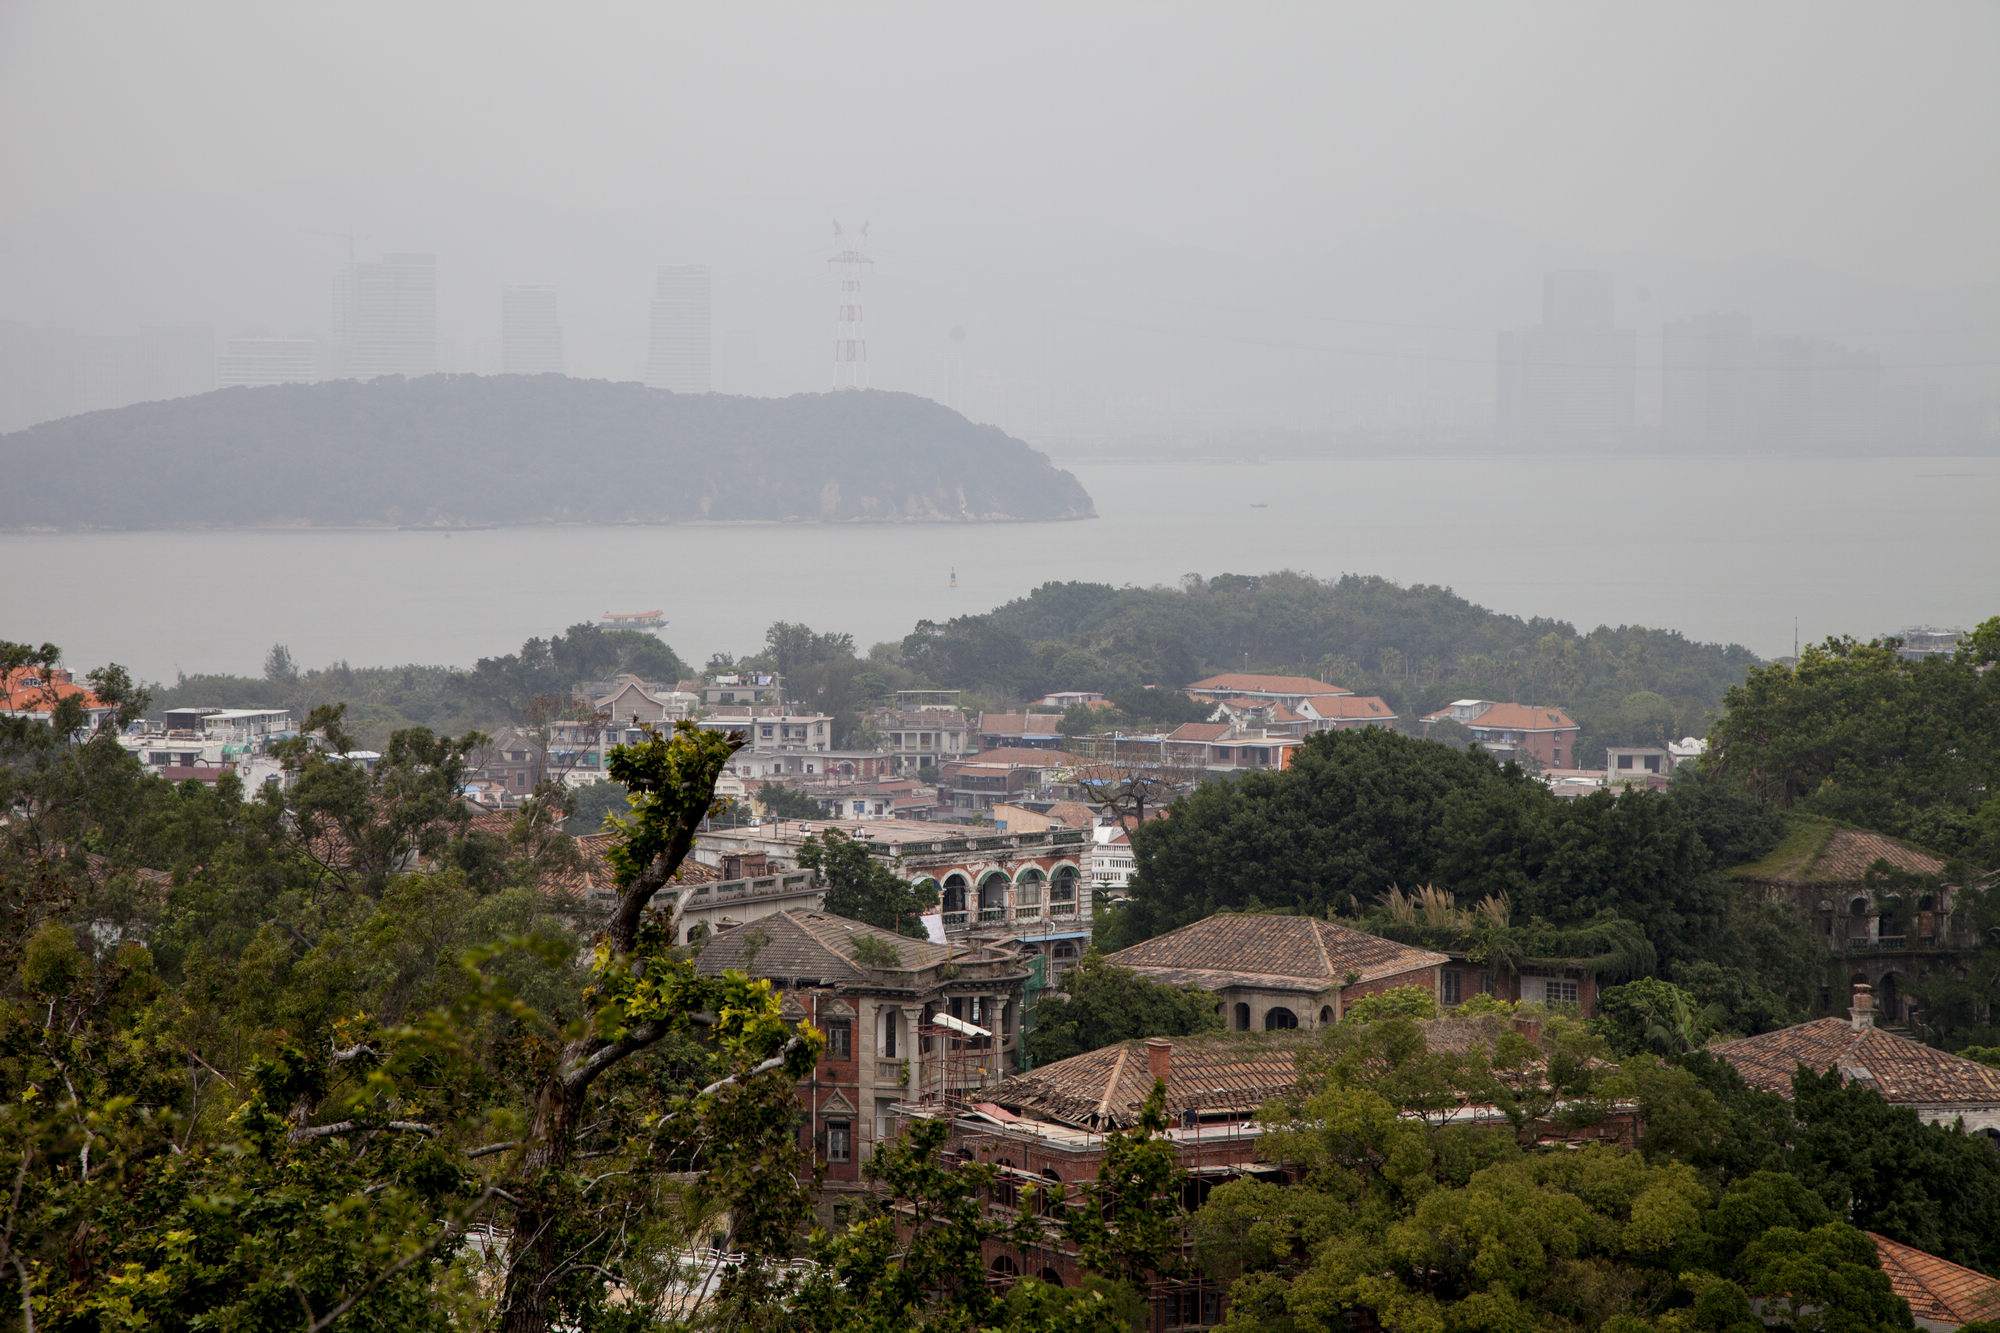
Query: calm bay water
(1726, 549)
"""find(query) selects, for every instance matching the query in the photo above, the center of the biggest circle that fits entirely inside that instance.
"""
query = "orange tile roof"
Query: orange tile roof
(1848, 854)
(1242, 682)
(18, 696)
(1199, 731)
(1905, 1072)
(1515, 717)
(1939, 1291)
(1299, 953)
(1354, 705)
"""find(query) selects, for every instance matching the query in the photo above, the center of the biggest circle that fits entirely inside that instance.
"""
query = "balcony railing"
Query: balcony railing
(1062, 909)
(954, 919)
(1027, 913)
(992, 914)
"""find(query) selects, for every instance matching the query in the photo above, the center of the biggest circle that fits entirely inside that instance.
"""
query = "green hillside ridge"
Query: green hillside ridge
(521, 449)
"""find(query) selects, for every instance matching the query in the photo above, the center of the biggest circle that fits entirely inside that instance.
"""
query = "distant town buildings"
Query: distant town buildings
(678, 357)
(1572, 381)
(1514, 731)
(385, 317)
(531, 340)
(1724, 387)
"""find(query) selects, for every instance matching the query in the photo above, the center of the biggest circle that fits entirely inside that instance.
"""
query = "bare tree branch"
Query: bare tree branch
(792, 1043)
(359, 1126)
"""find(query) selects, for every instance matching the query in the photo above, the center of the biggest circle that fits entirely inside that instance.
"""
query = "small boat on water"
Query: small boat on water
(633, 619)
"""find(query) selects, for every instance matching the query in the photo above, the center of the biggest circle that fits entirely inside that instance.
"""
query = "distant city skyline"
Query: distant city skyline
(680, 352)
(531, 340)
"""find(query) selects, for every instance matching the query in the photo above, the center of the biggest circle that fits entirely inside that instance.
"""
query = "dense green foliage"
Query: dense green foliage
(493, 449)
(1411, 1221)
(1100, 1004)
(1360, 813)
(1860, 734)
(860, 887)
(1419, 647)
(263, 1063)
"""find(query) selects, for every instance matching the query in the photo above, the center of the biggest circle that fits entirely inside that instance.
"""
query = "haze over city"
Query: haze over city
(1193, 222)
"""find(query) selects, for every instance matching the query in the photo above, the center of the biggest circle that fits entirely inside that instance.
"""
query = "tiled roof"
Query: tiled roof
(1276, 952)
(1520, 717)
(18, 696)
(1242, 682)
(1938, 1290)
(816, 947)
(1018, 757)
(1352, 706)
(1905, 1072)
(1106, 1088)
(1199, 731)
(1849, 853)
(1073, 814)
(1211, 1075)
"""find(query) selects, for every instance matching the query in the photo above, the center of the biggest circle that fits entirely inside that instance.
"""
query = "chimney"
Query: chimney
(1862, 1011)
(1530, 1028)
(1159, 1058)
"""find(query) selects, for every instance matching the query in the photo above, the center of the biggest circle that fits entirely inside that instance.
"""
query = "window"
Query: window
(1448, 987)
(1624, 761)
(839, 1141)
(1560, 992)
(1242, 1018)
(892, 1023)
(839, 1040)
(1279, 1019)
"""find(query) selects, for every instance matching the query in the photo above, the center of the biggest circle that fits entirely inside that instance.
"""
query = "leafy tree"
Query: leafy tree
(782, 802)
(595, 803)
(1856, 732)
(860, 887)
(1651, 1015)
(1101, 1004)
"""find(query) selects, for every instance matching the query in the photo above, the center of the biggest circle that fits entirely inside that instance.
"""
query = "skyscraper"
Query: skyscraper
(531, 341)
(254, 361)
(678, 357)
(385, 317)
(1572, 381)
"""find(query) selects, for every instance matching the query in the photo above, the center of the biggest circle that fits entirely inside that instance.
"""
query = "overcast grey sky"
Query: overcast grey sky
(173, 162)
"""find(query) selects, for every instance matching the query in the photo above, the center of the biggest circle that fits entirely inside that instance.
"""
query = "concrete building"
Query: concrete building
(252, 362)
(1723, 387)
(531, 339)
(920, 737)
(678, 356)
(1572, 381)
(385, 317)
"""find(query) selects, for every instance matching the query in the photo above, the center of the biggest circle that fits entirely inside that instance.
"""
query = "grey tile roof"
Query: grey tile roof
(1905, 1072)
(1275, 952)
(816, 946)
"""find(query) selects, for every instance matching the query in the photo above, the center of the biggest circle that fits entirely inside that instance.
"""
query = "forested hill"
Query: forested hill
(506, 449)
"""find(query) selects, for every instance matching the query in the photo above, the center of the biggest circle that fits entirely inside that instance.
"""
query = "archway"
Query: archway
(993, 896)
(1053, 1278)
(1325, 1015)
(1242, 1017)
(955, 887)
(1003, 1271)
(1889, 998)
(1279, 1018)
(1028, 892)
(1062, 892)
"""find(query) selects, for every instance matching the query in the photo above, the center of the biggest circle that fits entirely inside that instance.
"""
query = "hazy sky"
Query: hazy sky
(175, 162)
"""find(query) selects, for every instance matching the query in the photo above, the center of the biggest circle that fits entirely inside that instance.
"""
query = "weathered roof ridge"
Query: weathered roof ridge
(1937, 1289)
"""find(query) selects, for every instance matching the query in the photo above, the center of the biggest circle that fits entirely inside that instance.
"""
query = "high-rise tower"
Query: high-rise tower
(385, 317)
(531, 341)
(850, 263)
(678, 357)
